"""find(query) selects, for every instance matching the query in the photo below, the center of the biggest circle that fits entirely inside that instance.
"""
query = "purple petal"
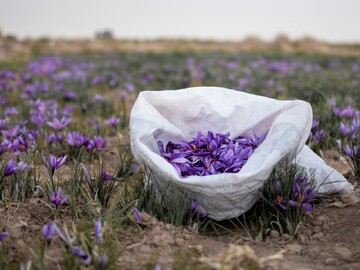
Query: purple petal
(137, 215)
(4, 235)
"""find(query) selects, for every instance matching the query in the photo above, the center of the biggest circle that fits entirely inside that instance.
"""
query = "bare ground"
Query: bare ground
(330, 239)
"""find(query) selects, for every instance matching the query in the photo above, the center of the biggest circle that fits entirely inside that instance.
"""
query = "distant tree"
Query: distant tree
(104, 34)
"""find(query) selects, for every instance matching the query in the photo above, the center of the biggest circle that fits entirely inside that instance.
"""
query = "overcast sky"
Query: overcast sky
(329, 20)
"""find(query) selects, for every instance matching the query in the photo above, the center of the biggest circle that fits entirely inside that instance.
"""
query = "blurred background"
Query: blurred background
(276, 24)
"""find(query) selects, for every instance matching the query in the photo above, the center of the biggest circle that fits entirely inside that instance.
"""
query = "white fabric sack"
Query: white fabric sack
(179, 114)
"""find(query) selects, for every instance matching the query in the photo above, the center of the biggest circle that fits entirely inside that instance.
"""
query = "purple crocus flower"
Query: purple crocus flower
(10, 167)
(19, 145)
(113, 81)
(3, 101)
(203, 216)
(87, 175)
(123, 94)
(281, 202)
(344, 129)
(98, 97)
(106, 177)
(315, 123)
(304, 194)
(331, 102)
(158, 266)
(319, 136)
(68, 110)
(69, 95)
(351, 152)
(59, 124)
(3, 236)
(75, 139)
(12, 132)
(280, 199)
(137, 215)
(134, 167)
(60, 138)
(129, 87)
(113, 121)
(82, 254)
(50, 230)
(98, 231)
(54, 162)
(44, 87)
(97, 80)
(3, 123)
(88, 144)
(280, 89)
(103, 261)
(58, 198)
(37, 118)
(21, 166)
(347, 112)
(11, 111)
(51, 138)
(32, 135)
(100, 143)
(5, 146)
(194, 206)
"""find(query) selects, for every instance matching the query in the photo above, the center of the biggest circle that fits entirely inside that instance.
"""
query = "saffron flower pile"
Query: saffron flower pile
(210, 154)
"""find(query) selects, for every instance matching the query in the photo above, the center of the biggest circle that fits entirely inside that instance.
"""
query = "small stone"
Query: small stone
(319, 236)
(199, 248)
(275, 241)
(323, 255)
(344, 252)
(286, 237)
(144, 249)
(317, 223)
(317, 229)
(163, 239)
(304, 238)
(314, 251)
(307, 232)
(20, 224)
(294, 248)
(169, 227)
(180, 241)
(15, 232)
(326, 226)
(274, 234)
(148, 219)
(187, 236)
(322, 218)
(330, 261)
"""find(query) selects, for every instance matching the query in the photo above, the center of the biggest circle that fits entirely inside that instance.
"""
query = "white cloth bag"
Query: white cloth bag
(179, 114)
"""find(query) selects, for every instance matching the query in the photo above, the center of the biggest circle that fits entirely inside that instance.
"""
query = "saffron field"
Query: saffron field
(72, 196)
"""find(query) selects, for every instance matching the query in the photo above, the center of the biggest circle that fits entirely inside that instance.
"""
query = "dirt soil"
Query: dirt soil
(330, 239)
